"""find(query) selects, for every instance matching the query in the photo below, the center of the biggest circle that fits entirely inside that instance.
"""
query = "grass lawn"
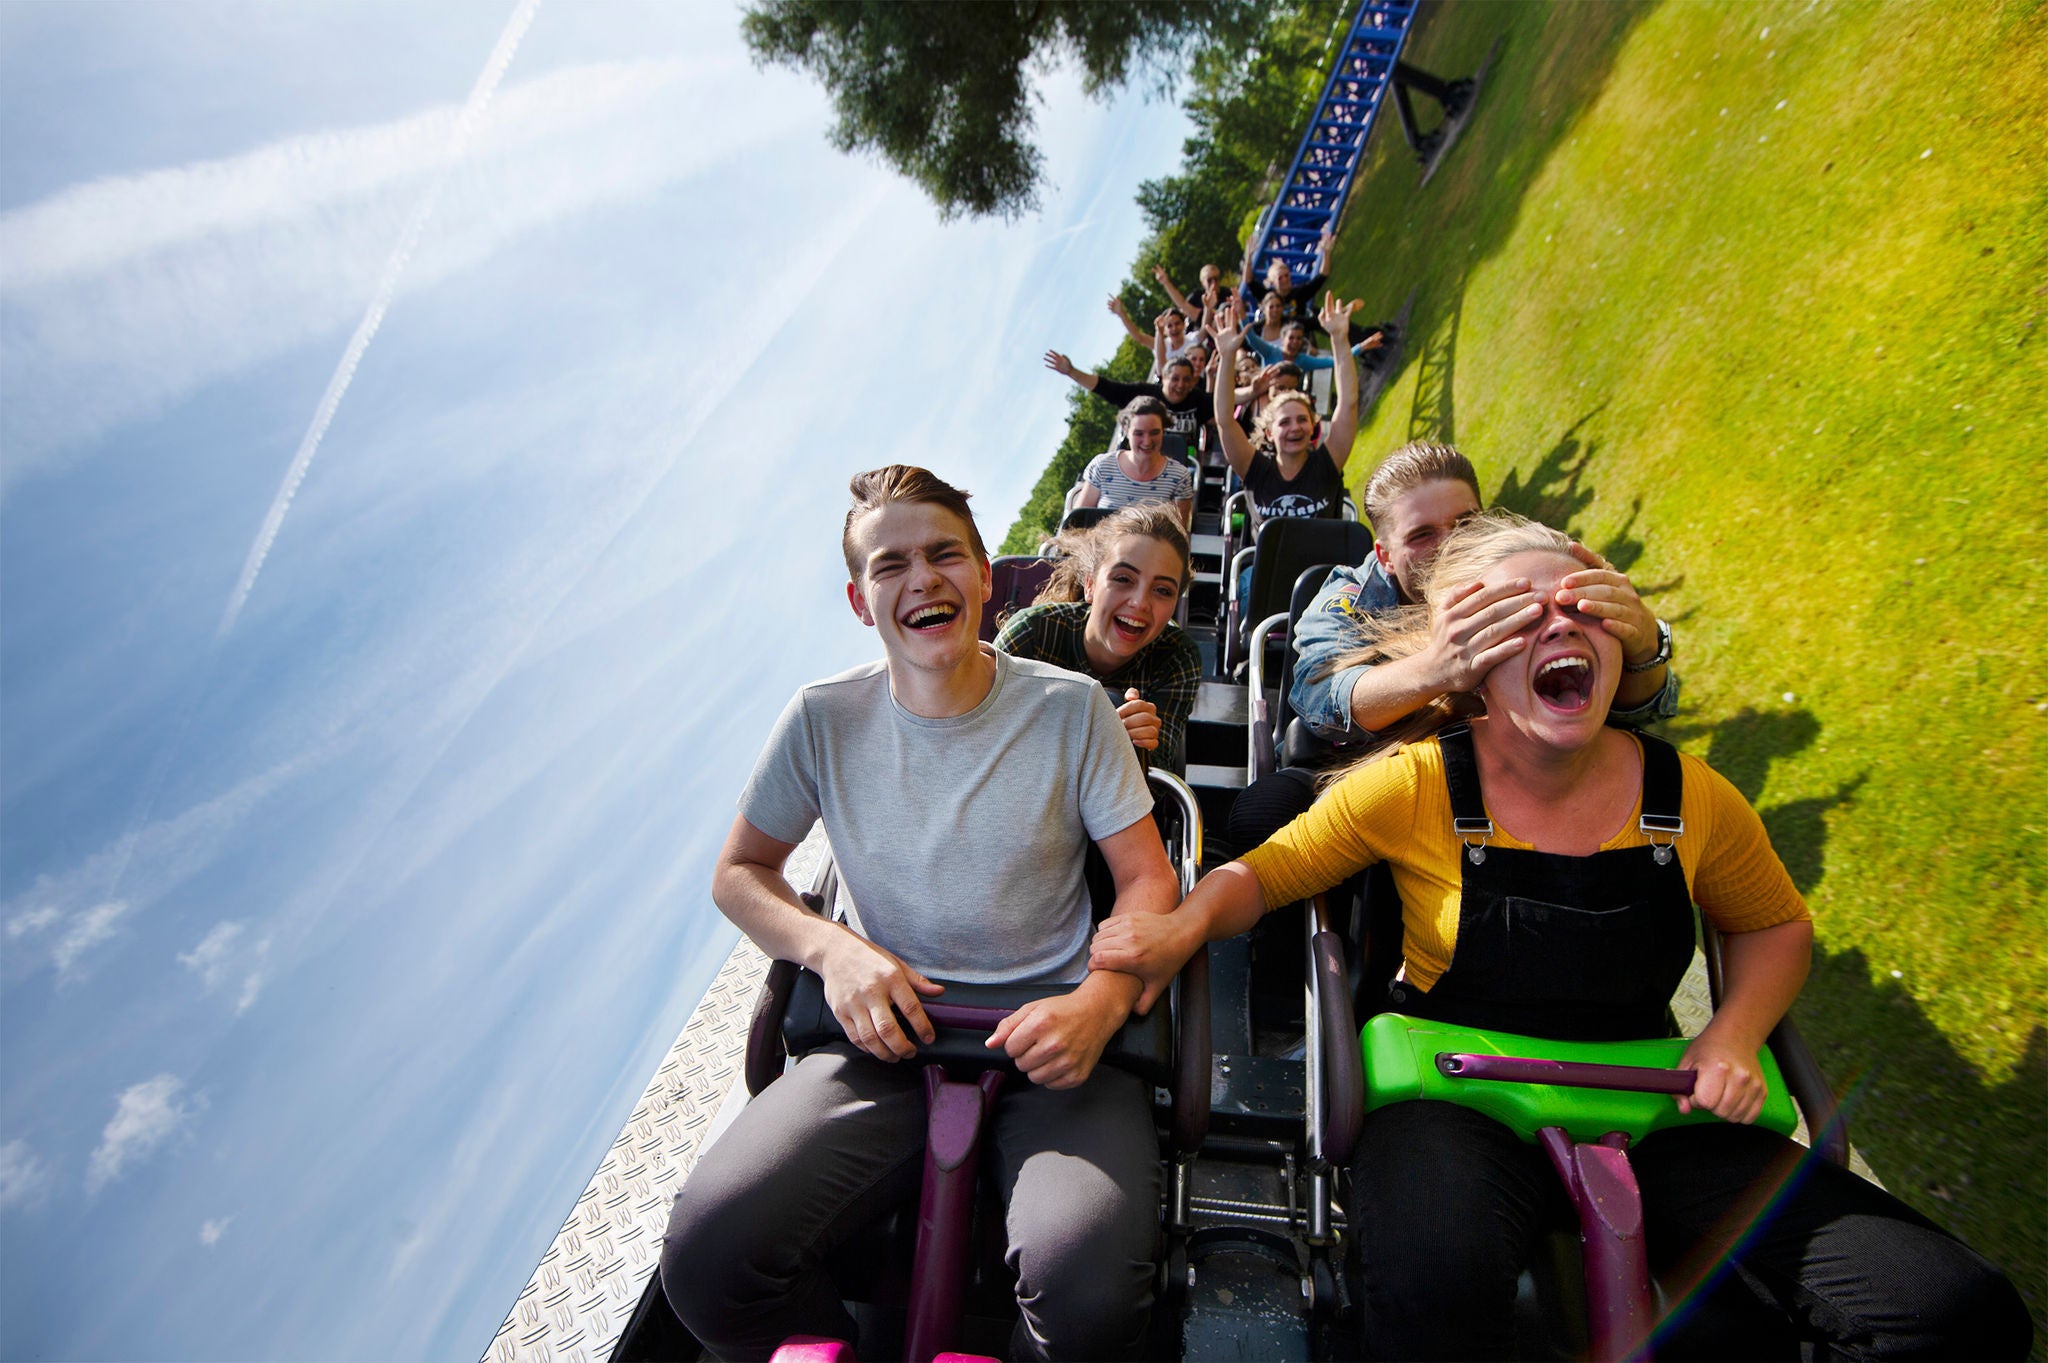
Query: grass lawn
(1750, 296)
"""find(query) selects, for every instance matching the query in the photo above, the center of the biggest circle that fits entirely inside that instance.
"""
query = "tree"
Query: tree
(939, 89)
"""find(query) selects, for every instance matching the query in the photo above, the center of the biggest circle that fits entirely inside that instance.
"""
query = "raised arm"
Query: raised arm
(1237, 450)
(1179, 300)
(1336, 319)
(1060, 364)
(865, 986)
(1116, 305)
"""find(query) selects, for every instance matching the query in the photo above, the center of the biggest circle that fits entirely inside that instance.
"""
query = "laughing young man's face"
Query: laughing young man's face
(922, 585)
(1559, 688)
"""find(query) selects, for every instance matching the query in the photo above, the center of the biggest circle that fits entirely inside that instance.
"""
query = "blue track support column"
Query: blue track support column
(1333, 144)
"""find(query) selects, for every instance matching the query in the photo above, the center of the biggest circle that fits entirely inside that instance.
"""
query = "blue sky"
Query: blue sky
(423, 438)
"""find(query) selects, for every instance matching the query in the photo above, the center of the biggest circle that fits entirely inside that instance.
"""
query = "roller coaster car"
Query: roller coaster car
(952, 1287)
(1583, 1103)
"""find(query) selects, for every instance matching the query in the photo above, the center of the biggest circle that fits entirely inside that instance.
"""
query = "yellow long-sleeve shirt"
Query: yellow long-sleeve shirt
(1398, 810)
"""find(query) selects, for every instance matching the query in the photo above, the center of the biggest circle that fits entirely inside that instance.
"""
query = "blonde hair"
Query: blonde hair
(1082, 552)
(1468, 553)
(1415, 463)
(1262, 429)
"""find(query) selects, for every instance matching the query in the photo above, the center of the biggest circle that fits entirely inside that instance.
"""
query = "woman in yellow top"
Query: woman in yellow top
(1547, 866)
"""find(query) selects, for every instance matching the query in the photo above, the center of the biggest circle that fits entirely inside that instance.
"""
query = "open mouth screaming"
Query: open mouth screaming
(1565, 684)
(1129, 629)
(927, 619)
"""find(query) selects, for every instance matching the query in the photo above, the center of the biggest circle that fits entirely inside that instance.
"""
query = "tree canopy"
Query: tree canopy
(942, 90)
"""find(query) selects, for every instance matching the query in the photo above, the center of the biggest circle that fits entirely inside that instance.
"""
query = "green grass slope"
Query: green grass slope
(1750, 296)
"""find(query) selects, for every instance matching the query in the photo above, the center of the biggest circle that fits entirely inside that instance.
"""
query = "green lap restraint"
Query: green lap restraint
(1400, 1064)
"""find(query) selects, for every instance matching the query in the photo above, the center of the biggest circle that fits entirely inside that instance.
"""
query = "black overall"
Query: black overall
(1578, 948)
(1448, 1204)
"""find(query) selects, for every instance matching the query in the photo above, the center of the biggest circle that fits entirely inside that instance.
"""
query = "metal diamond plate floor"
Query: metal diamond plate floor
(579, 1299)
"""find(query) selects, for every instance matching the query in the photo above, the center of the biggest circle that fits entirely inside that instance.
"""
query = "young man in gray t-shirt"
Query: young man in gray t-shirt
(959, 790)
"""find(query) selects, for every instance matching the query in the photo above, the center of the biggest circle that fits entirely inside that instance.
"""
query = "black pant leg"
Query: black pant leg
(1268, 805)
(1446, 1204)
(1849, 1263)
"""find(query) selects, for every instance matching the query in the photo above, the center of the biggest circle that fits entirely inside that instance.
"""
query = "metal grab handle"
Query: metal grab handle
(1576, 1074)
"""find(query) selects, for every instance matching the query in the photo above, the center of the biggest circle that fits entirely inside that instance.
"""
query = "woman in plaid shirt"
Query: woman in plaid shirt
(1107, 613)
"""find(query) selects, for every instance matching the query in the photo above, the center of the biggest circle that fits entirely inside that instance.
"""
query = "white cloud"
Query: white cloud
(24, 1179)
(147, 862)
(210, 1232)
(209, 960)
(124, 295)
(87, 930)
(145, 1116)
(252, 985)
(32, 920)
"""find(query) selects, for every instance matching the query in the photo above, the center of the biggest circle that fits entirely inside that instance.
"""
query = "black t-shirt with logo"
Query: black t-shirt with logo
(1318, 490)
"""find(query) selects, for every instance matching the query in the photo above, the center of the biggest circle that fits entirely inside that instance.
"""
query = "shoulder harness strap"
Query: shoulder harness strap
(1461, 778)
(1663, 796)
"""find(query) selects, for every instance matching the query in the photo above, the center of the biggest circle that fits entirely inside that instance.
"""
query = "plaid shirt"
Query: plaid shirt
(1166, 672)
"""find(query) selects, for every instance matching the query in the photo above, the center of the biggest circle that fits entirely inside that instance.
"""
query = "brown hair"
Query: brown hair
(1408, 468)
(1262, 429)
(882, 487)
(1081, 552)
(1141, 405)
(1468, 552)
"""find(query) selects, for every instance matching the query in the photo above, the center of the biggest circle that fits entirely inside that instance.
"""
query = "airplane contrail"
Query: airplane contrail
(458, 139)
(380, 301)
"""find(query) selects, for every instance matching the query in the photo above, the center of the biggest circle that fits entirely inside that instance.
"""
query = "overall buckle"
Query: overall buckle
(1669, 824)
(1466, 829)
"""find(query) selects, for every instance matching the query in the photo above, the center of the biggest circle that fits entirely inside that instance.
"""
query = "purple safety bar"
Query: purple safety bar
(1513, 1069)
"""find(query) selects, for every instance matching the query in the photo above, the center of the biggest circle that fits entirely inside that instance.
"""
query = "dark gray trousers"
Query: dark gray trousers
(839, 1140)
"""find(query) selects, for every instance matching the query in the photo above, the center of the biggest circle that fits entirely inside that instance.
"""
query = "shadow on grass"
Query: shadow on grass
(1972, 1154)
(1555, 60)
(1431, 416)
(1742, 748)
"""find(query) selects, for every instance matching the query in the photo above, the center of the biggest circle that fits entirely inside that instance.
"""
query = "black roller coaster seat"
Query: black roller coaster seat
(1017, 579)
(1285, 548)
(1082, 517)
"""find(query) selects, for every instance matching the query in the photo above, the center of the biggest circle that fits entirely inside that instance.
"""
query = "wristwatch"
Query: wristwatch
(1662, 655)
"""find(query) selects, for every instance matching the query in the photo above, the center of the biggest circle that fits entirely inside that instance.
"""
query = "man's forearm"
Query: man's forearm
(1390, 692)
(761, 904)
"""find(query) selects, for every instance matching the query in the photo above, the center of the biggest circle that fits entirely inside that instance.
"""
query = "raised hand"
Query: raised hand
(1059, 364)
(1141, 720)
(1336, 315)
(1159, 274)
(1478, 628)
(866, 987)
(1229, 331)
(1116, 305)
(1605, 593)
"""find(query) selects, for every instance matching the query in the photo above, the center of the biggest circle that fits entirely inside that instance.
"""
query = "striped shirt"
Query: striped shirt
(1167, 671)
(1174, 483)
